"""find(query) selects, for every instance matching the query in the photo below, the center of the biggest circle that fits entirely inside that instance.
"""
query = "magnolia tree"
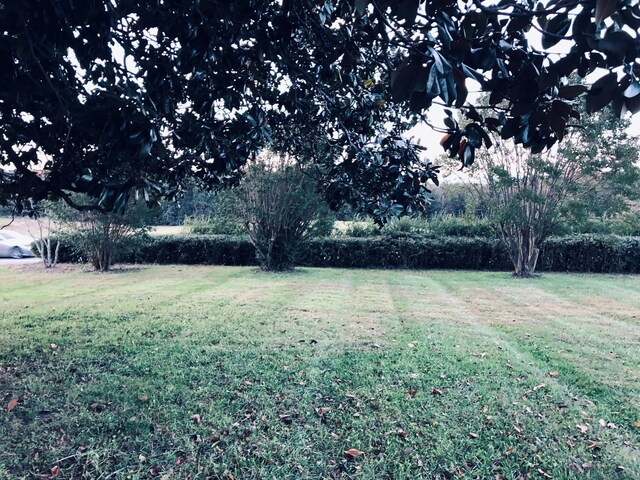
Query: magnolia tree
(104, 98)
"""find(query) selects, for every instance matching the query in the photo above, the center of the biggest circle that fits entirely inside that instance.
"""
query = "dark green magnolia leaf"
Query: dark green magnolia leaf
(407, 10)
(493, 124)
(471, 73)
(361, 6)
(451, 143)
(557, 124)
(472, 114)
(420, 101)
(538, 147)
(616, 44)
(450, 123)
(405, 79)
(510, 128)
(474, 135)
(520, 109)
(604, 9)
(432, 87)
(602, 92)
(468, 156)
(487, 139)
(632, 90)
(496, 97)
(447, 88)
(523, 135)
(633, 104)
(461, 89)
(555, 30)
(571, 91)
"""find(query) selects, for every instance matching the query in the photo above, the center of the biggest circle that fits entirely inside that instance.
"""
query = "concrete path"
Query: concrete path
(18, 261)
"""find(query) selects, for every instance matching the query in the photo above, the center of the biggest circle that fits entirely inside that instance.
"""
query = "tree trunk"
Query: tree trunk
(525, 254)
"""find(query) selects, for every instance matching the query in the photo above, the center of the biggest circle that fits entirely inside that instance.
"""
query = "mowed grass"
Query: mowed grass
(223, 373)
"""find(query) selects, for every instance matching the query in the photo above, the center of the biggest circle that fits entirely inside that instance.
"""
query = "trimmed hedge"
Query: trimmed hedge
(578, 253)
(407, 251)
(198, 250)
(591, 253)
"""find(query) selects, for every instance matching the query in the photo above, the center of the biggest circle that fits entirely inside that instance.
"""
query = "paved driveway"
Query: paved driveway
(18, 261)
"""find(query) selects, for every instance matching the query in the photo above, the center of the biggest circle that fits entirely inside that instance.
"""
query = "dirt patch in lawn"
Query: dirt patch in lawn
(72, 268)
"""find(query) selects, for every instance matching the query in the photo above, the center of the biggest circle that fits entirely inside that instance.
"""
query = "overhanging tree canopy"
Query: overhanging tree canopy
(106, 97)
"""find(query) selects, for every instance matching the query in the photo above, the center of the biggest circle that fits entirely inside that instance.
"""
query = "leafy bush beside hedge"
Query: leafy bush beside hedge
(578, 253)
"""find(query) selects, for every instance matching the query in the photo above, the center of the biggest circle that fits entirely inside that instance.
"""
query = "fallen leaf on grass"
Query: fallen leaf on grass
(286, 419)
(12, 404)
(636, 424)
(534, 389)
(353, 452)
(436, 391)
(97, 407)
(473, 435)
(544, 474)
(413, 392)
(322, 410)
(510, 451)
(54, 346)
(196, 418)
(143, 398)
(583, 428)
(553, 374)
(55, 471)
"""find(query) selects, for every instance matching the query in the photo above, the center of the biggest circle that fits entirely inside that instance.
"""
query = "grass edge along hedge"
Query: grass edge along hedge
(577, 253)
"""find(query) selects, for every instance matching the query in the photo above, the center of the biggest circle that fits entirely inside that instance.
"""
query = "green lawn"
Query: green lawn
(222, 373)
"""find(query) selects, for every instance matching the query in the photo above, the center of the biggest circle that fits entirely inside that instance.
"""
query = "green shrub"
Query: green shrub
(103, 239)
(215, 225)
(438, 225)
(623, 224)
(406, 225)
(361, 229)
(442, 225)
(627, 224)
